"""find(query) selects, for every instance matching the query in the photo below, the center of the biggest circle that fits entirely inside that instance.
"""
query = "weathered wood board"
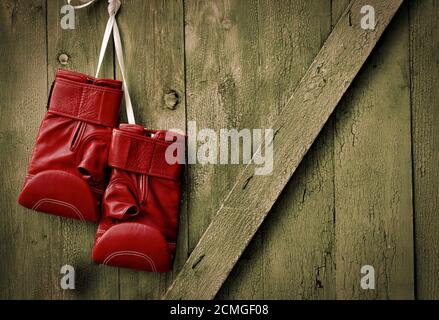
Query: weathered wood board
(223, 68)
(25, 237)
(365, 193)
(373, 191)
(424, 58)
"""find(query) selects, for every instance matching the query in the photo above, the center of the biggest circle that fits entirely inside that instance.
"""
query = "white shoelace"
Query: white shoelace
(113, 8)
(81, 5)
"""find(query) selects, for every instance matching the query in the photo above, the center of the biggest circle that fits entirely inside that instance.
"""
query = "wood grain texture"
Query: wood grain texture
(224, 84)
(424, 41)
(25, 236)
(71, 241)
(373, 173)
(300, 120)
(299, 232)
(153, 40)
(285, 260)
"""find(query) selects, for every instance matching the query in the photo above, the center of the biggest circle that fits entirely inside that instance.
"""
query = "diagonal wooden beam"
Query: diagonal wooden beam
(298, 125)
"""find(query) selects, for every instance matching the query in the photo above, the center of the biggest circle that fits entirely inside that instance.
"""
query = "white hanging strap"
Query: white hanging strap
(113, 8)
(119, 54)
(81, 5)
(106, 38)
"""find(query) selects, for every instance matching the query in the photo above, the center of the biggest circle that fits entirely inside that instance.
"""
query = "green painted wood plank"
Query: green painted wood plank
(224, 67)
(373, 173)
(153, 39)
(296, 262)
(299, 233)
(25, 236)
(217, 34)
(424, 30)
(300, 120)
(71, 241)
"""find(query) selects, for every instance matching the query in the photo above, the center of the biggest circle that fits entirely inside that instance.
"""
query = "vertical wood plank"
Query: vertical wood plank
(424, 30)
(71, 240)
(373, 173)
(25, 236)
(153, 39)
(286, 260)
(223, 63)
(299, 234)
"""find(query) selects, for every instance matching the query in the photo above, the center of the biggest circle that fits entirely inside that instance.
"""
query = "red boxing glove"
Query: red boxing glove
(141, 203)
(67, 171)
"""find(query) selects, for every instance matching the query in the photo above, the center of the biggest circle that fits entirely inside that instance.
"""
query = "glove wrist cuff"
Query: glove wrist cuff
(143, 155)
(75, 97)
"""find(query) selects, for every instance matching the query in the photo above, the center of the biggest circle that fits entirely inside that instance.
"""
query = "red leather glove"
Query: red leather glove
(67, 172)
(141, 204)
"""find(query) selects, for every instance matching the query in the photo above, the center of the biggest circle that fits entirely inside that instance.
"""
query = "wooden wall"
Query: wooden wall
(366, 193)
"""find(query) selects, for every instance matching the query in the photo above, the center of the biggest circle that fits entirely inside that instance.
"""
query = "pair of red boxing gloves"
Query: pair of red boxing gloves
(86, 166)
(69, 175)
